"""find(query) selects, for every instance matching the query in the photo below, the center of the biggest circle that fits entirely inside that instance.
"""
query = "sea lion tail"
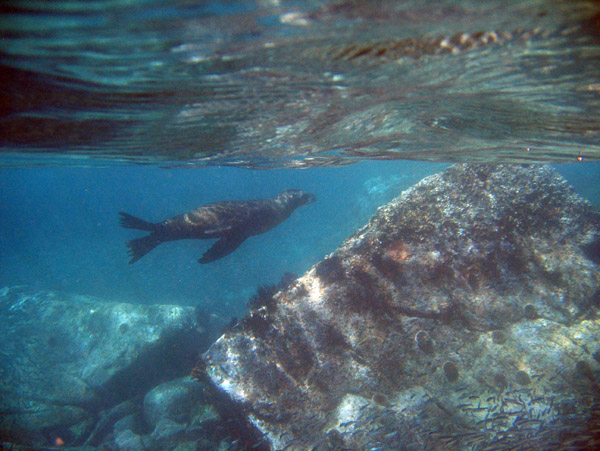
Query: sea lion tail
(141, 246)
(131, 222)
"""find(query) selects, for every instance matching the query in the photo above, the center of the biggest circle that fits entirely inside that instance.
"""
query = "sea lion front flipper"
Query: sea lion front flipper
(224, 246)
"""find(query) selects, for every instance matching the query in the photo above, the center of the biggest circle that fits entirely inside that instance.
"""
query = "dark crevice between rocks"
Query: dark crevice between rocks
(106, 419)
(172, 356)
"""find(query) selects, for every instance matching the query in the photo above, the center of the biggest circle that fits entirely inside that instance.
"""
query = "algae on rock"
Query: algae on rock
(464, 313)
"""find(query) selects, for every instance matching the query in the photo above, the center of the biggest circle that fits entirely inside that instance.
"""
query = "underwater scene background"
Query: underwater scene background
(441, 293)
(61, 231)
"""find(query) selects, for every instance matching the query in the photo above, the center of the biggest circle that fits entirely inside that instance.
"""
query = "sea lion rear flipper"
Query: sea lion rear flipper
(131, 222)
(141, 246)
(224, 246)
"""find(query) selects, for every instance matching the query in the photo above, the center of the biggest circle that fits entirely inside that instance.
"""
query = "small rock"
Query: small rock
(129, 422)
(522, 378)
(128, 441)
(187, 446)
(171, 400)
(167, 434)
(424, 342)
(203, 413)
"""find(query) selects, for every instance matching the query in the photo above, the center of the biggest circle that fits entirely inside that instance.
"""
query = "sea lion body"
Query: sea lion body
(229, 221)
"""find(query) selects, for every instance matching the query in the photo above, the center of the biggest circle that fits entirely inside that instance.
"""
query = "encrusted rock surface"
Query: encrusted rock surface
(465, 313)
(70, 364)
(172, 400)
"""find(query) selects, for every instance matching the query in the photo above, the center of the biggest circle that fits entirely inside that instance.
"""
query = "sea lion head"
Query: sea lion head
(295, 198)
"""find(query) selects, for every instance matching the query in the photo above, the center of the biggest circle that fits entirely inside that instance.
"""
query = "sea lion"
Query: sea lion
(229, 221)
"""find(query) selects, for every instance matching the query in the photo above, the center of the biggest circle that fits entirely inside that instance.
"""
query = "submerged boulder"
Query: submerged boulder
(69, 364)
(464, 313)
(172, 400)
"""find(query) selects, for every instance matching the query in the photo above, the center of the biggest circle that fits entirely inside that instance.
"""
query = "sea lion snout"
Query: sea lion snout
(308, 198)
(298, 197)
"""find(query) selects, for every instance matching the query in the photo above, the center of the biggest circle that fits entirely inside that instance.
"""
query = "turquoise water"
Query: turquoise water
(88, 88)
(61, 232)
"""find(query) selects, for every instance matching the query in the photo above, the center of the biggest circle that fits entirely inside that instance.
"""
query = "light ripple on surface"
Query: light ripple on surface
(301, 83)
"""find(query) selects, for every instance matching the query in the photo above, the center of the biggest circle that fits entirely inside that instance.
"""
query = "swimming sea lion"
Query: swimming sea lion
(230, 221)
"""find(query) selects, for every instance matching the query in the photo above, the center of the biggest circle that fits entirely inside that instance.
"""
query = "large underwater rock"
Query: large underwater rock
(464, 314)
(73, 366)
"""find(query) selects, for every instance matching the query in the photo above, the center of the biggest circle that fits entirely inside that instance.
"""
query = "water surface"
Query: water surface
(293, 84)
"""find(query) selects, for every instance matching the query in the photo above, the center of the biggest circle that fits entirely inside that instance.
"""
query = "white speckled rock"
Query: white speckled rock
(463, 315)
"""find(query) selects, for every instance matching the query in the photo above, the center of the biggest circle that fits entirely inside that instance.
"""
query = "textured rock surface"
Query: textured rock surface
(128, 441)
(172, 400)
(464, 313)
(69, 363)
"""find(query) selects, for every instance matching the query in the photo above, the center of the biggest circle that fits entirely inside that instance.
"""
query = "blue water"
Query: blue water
(60, 227)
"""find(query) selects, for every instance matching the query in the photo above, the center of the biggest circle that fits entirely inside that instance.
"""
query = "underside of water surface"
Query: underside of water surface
(271, 83)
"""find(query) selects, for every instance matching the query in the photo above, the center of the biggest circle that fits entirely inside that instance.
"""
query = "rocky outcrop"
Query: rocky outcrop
(74, 366)
(465, 313)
